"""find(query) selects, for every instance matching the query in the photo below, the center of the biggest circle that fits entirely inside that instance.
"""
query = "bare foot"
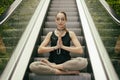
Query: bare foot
(48, 63)
(45, 61)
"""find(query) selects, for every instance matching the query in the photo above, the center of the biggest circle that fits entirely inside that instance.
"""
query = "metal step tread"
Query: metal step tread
(65, 9)
(81, 76)
(69, 18)
(78, 31)
(68, 24)
(53, 13)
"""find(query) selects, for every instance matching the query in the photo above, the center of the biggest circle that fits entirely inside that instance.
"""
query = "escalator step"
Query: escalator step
(63, 6)
(81, 76)
(76, 30)
(68, 24)
(63, 9)
(53, 13)
(69, 18)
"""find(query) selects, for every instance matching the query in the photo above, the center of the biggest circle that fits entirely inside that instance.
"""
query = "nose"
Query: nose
(60, 21)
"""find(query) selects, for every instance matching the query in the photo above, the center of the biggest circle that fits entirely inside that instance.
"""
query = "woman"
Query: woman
(60, 61)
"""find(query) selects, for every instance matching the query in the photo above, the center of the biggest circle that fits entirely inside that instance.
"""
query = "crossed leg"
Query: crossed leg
(45, 67)
(59, 68)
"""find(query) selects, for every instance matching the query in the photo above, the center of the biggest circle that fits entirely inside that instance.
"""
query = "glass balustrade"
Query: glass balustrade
(12, 29)
(109, 31)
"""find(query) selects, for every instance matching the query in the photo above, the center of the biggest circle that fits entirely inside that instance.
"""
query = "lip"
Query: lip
(60, 24)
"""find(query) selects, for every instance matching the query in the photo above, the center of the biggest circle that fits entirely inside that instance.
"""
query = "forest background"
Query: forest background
(115, 5)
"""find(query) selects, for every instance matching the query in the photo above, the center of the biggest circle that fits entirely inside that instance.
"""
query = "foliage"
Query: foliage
(115, 4)
(4, 4)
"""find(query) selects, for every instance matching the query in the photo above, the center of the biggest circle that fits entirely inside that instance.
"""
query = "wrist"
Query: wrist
(55, 48)
(62, 46)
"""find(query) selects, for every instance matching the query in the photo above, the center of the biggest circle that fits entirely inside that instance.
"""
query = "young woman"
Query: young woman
(59, 61)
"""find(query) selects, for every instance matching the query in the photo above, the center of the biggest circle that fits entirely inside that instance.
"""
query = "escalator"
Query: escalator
(13, 28)
(108, 29)
(74, 24)
(40, 23)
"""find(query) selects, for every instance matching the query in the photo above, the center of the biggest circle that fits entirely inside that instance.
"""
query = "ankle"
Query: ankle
(57, 71)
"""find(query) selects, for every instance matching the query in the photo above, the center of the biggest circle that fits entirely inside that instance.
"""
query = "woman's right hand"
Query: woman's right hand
(59, 42)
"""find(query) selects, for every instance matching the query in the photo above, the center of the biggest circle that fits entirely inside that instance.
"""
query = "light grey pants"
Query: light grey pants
(74, 64)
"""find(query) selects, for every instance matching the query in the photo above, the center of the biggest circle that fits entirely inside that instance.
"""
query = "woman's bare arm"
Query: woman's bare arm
(77, 48)
(44, 48)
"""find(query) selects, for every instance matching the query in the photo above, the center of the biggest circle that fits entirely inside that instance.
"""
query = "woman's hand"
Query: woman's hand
(59, 42)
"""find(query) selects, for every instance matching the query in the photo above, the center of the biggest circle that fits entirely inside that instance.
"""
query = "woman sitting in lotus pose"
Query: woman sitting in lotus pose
(59, 61)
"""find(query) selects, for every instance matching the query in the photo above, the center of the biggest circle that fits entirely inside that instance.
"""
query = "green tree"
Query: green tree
(115, 4)
(4, 4)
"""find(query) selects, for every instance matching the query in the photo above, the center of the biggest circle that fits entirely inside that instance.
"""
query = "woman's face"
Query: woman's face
(60, 21)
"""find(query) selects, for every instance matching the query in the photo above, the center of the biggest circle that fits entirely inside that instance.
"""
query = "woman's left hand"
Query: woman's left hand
(60, 43)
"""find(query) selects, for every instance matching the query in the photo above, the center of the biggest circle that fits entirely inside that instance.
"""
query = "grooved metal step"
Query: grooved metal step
(63, 9)
(53, 13)
(78, 31)
(70, 18)
(81, 76)
(51, 24)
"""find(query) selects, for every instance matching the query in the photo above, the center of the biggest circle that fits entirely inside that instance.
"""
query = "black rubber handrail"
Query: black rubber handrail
(9, 11)
(110, 11)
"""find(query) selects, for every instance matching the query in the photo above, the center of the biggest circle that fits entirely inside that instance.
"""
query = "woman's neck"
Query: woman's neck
(61, 29)
(60, 32)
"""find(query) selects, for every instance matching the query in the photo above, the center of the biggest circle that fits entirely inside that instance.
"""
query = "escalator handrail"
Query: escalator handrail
(107, 64)
(95, 60)
(110, 11)
(10, 10)
(26, 53)
(17, 54)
